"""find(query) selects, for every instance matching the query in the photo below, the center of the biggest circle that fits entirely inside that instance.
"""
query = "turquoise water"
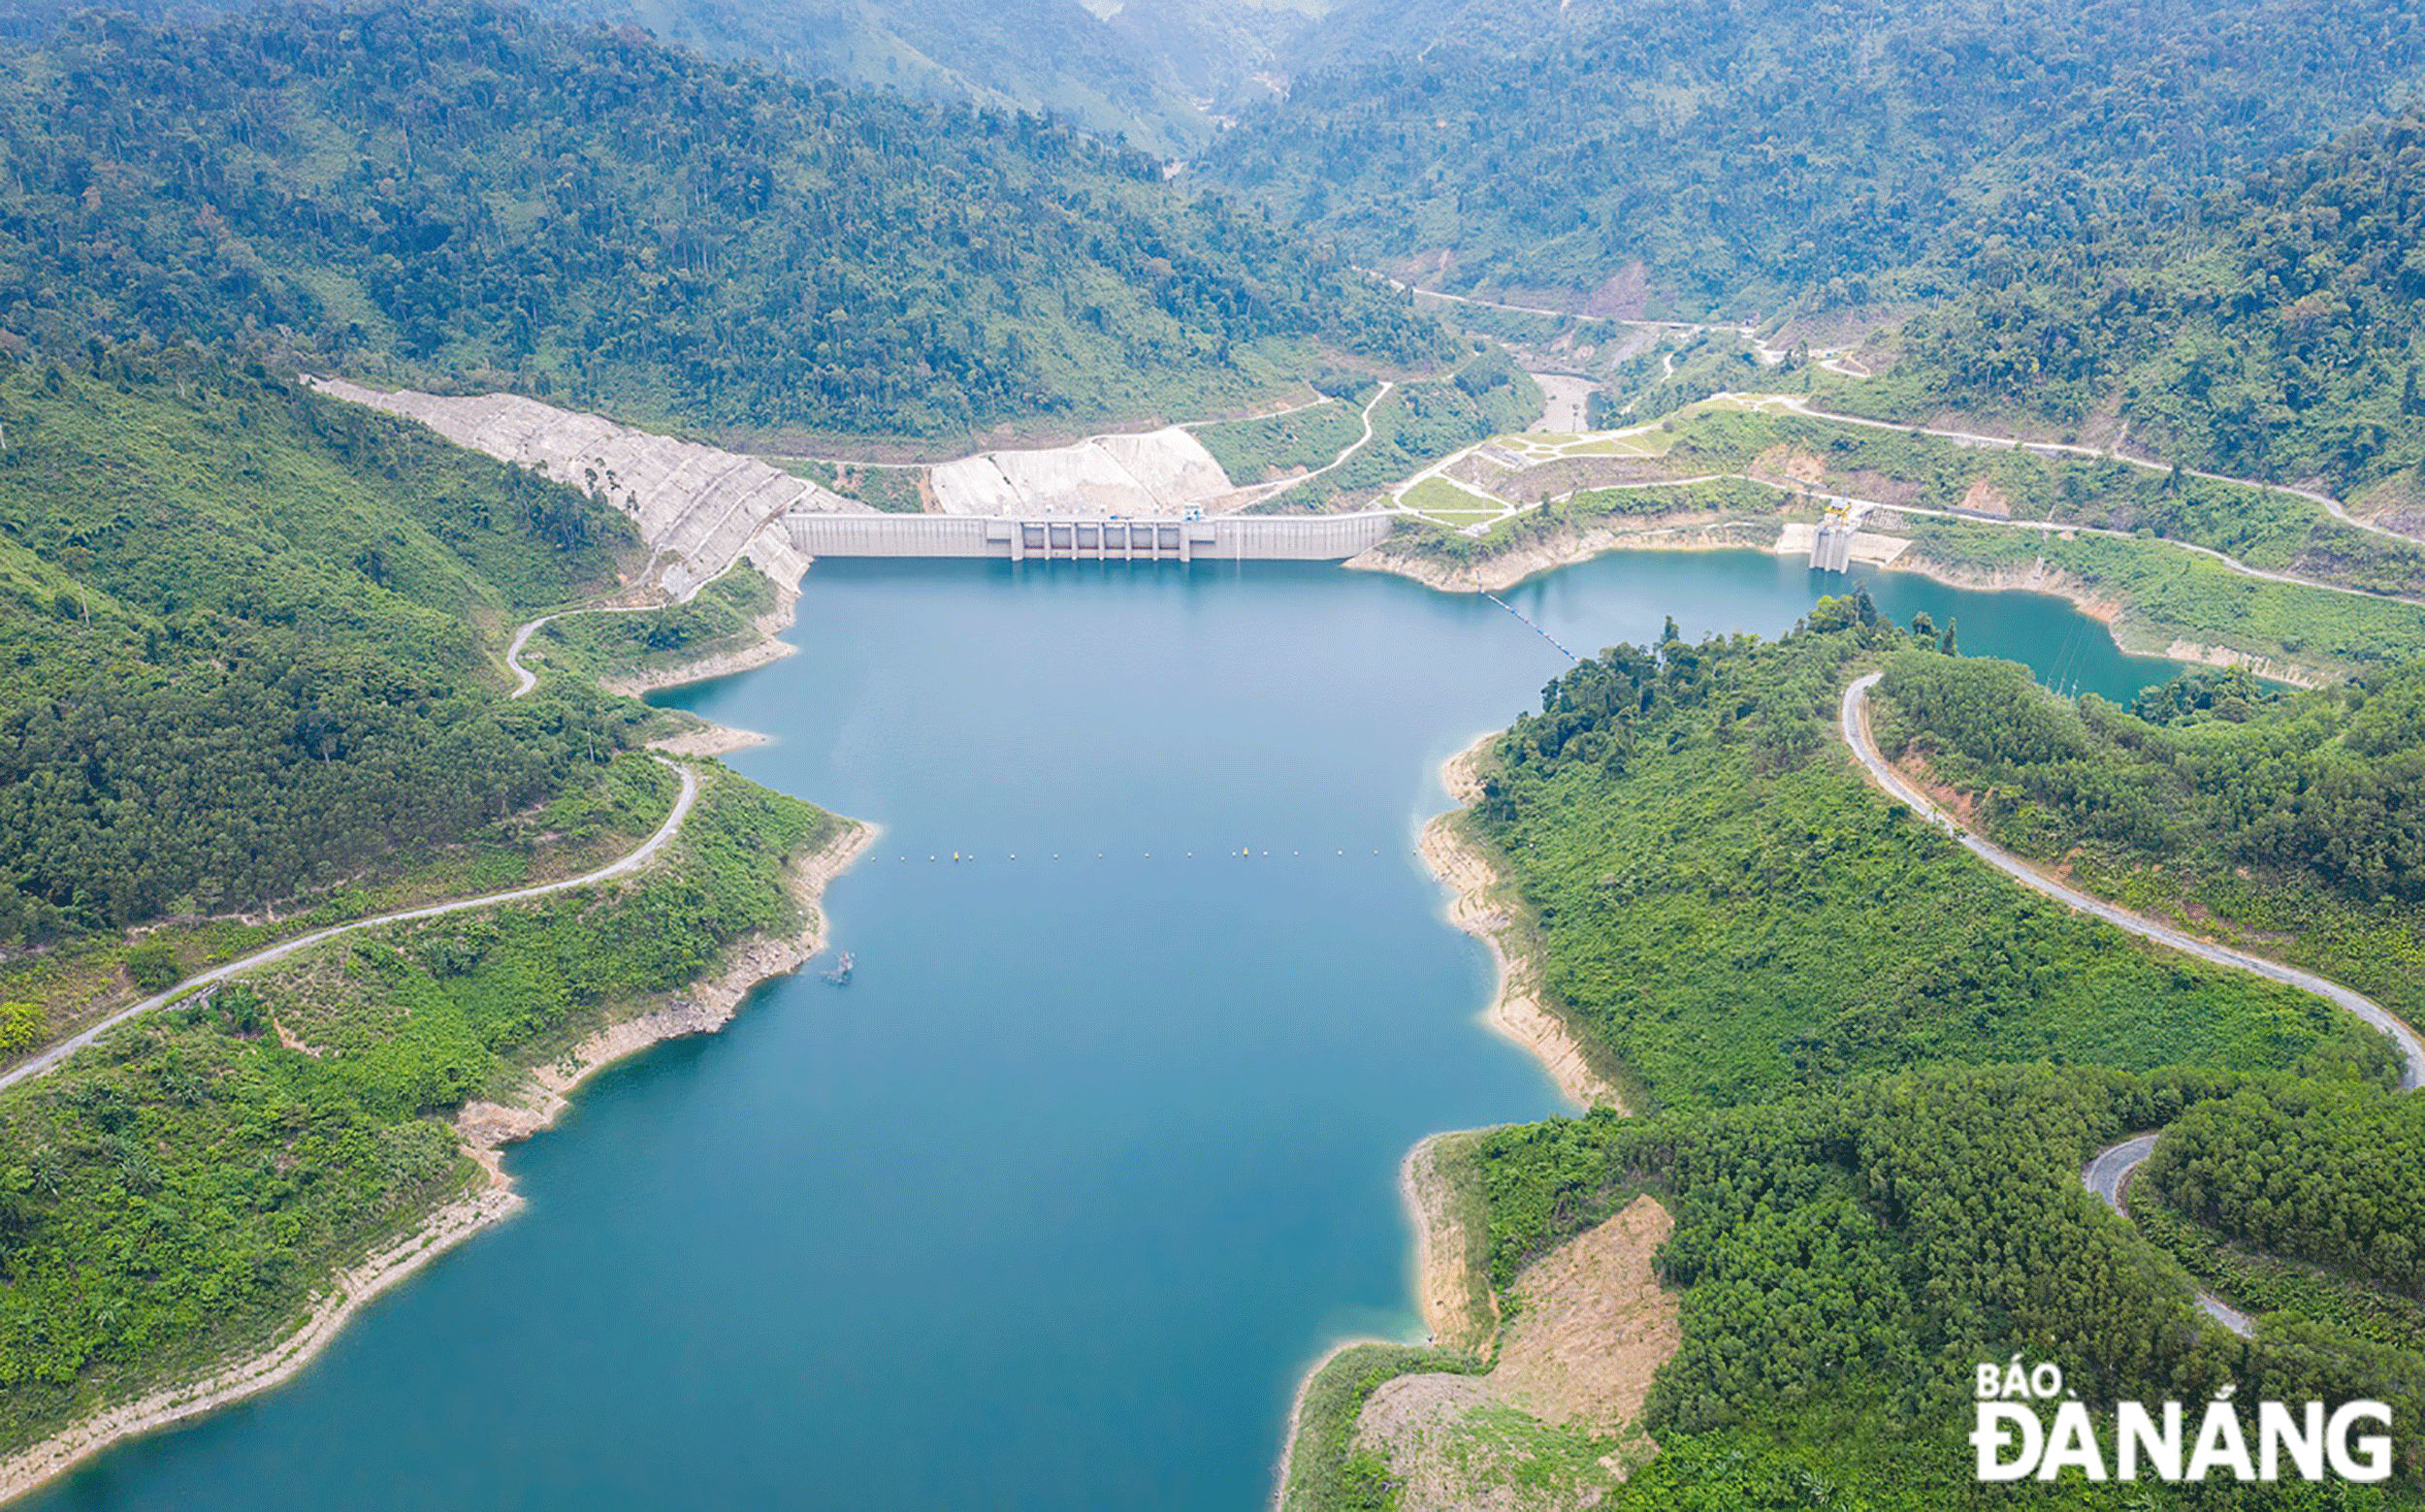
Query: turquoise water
(1048, 1207)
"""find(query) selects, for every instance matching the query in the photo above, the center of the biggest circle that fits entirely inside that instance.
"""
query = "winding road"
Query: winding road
(523, 678)
(2046, 527)
(1832, 360)
(1856, 734)
(646, 852)
(1283, 485)
(2109, 1173)
(1800, 404)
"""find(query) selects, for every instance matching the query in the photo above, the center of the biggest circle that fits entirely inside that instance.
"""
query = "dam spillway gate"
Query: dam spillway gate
(1216, 538)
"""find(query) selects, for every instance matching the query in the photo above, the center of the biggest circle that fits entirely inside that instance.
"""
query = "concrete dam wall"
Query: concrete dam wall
(1221, 539)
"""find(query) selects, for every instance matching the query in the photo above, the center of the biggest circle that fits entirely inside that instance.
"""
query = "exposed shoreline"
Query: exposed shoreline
(768, 648)
(1572, 547)
(1477, 907)
(1442, 1288)
(709, 738)
(1564, 548)
(1443, 1260)
(485, 1129)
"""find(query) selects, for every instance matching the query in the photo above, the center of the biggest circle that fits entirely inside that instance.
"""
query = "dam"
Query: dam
(1065, 538)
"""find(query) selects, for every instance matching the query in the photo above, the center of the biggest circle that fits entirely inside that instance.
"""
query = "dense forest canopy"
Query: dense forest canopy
(1730, 913)
(462, 192)
(2209, 769)
(1717, 156)
(2274, 332)
(1851, 1255)
(241, 626)
(1812, 988)
(2324, 1172)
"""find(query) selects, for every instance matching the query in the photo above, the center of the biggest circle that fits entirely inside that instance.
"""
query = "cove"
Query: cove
(1050, 1205)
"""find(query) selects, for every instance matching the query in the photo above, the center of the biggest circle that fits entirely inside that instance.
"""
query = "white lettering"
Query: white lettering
(2375, 1448)
(2072, 1445)
(2220, 1443)
(2137, 1432)
(1991, 1437)
(2276, 1430)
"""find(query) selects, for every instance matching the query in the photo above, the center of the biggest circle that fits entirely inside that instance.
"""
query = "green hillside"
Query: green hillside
(1706, 157)
(460, 193)
(2276, 332)
(1024, 54)
(253, 640)
(1867, 1071)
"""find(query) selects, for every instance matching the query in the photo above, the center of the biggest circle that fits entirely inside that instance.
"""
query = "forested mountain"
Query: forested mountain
(243, 627)
(1157, 72)
(2274, 330)
(460, 192)
(1809, 992)
(2212, 770)
(1021, 55)
(1717, 156)
(1850, 1257)
(1730, 914)
(2289, 824)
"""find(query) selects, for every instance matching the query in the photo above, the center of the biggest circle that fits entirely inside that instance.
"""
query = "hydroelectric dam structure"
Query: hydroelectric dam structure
(1228, 537)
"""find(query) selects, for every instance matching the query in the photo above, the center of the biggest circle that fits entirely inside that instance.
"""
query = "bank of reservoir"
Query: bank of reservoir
(1048, 1207)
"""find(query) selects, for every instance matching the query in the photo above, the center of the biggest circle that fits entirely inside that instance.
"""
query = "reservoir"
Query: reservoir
(1053, 1204)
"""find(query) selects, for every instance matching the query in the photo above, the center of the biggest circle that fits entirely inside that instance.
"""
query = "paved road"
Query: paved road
(646, 853)
(524, 679)
(2046, 527)
(2331, 505)
(1834, 362)
(2109, 1175)
(1856, 725)
(1276, 489)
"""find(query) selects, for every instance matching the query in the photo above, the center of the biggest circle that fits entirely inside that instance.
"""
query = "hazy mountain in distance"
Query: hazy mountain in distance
(1222, 54)
(1032, 54)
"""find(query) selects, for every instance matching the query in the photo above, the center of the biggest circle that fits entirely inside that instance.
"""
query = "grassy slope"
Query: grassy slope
(1254, 451)
(721, 617)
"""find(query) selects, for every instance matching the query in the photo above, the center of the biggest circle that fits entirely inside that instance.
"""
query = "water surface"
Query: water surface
(1051, 1205)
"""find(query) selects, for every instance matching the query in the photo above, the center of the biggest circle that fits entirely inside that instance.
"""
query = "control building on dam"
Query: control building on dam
(1216, 539)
